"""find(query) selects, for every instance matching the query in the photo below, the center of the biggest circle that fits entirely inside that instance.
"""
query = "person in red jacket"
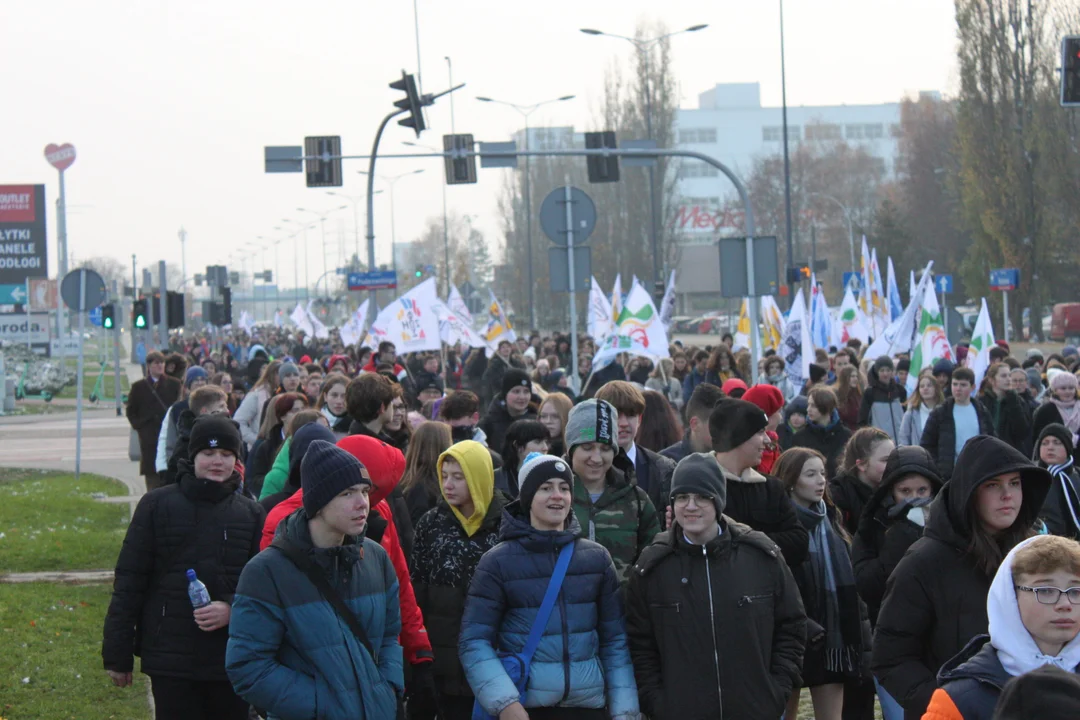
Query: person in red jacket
(771, 400)
(386, 465)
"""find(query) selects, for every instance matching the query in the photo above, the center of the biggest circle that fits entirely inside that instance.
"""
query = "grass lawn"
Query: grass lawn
(50, 522)
(51, 666)
(90, 376)
(37, 407)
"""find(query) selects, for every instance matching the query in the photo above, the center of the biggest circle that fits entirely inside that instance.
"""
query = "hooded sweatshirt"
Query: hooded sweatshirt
(973, 680)
(475, 462)
(935, 600)
(883, 404)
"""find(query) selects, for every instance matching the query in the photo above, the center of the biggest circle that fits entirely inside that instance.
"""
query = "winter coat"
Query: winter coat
(770, 455)
(150, 614)
(289, 651)
(939, 435)
(716, 631)
(249, 414)
(444, 560)
(263, 456)
(623, 519)
(760, 502)
(1010, 418)
(274, 481)
(970, 684)
(849, 410)
(912, 425)
(691, 381)
(146, 407)
(850, 495)
(491, 381)
(498, 418)
(653, 472)
(883, 405)
(1055, 512)
(679, 450)
(1044, 415)
(880, 541)
(672, 390)
(339, 424)
(829, 440)
(583, 660)
(935, 599)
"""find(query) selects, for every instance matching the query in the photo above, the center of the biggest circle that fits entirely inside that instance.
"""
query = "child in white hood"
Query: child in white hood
(1034, 611)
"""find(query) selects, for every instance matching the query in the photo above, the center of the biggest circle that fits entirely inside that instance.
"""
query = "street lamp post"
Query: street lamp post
(445, 225)
(526, 111)
(322, 224)
(787, 158)
(391, 180)
(847, 216)
(644, 47)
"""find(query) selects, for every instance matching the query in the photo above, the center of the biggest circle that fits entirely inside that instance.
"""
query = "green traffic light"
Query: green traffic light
(140, 321)
(108, 323)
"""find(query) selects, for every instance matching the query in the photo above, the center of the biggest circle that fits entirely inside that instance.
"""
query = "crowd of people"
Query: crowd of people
(461, 534)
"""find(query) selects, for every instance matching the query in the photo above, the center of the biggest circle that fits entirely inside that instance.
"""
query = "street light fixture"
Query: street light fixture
(526, 111)
(644, 47)
(391, 180)
(322, 224)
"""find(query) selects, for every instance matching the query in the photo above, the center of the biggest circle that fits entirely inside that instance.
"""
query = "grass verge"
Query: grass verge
(51, 667)
(48, 521)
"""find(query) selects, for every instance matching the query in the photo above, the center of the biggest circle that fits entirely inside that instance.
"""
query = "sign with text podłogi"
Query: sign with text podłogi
(23, 249)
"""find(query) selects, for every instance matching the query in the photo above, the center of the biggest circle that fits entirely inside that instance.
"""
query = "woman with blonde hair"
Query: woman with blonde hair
(554, 411)
(332, 405)
(249, 414)
(663, 380)
(421, 484)
(927, 396)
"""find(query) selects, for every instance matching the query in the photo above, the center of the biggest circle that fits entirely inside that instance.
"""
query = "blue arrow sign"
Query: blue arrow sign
(943, 283)
(95, 316)
(12, 294)
(853, 280)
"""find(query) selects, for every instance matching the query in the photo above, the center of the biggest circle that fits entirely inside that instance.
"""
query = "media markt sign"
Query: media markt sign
(23, 249)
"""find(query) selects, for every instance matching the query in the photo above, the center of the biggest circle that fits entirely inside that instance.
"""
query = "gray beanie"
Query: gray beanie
(699, 473)
(591, 421)
(287, 369)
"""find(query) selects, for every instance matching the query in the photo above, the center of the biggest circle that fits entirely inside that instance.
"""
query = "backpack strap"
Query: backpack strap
(553, 588)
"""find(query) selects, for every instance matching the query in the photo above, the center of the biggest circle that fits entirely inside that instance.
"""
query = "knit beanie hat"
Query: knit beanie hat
(325, 472)
(193, 374)
(1063, 381)
(591, 421)
(1059, 431)
(538, 469)
(699, 473)
(798, 406)
(1035, 381)
(298, 447)
(817, 373)
(767, 397)
(1048, 693)
(515, 377)
(286, 370)
(944, 366)
(733, 422)
(214, 432)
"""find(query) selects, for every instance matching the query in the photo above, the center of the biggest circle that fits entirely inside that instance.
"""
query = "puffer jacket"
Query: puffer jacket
(150, 613)
(935, 599)
(1010, 417)
(289, 651)
(939, 434)
(622, 519)
(274, 481)
(583, 660)
(444, 560)
(850, 495)
(970, 684)
(760, 502)
(882, 405)
(497, 419)
(829, 440)
(716, 632)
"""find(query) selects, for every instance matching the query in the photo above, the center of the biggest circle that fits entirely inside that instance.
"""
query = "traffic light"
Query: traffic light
(322, 163)
(139, 317)
(174, 302)
(108, 316)
(459, 171)
(412, 102)
(1070, 71)
(226, 306)
(419, 272)
(798, 273)
(601, 169)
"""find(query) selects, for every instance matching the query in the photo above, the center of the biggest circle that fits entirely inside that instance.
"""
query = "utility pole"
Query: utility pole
(787, 159)
(183, 264)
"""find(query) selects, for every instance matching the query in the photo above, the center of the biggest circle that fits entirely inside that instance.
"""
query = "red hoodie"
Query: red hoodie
(385, 464)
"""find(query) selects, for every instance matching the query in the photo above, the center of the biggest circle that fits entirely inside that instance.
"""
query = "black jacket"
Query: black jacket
(882, 405)
(935, 599)
(827, 440)
(880, 541)
(939, 434)
(679, 450)
(1012, 419)
(491, 381)
(262, 459)
(653, 472)
(850, 495)
(715, 631)
(497, 419)
(444, 560)
(760, 502)
(150, 613)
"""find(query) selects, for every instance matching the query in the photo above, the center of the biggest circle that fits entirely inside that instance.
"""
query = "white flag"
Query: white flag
(453, 329)
(247, 322)
(639, 331)
(772, 318)
(353, 330)
(616, 300)
(667, 305)
(899, 336)
(931, 344)
(302, 320)
(321, 331)
(896, 305)
(820, 321)
(411, 321)
(880, 302)
(600, 319)
(852, 320)
(458, 306)
(982, 339)
(498, 326)
(741, 341)
(796, 347)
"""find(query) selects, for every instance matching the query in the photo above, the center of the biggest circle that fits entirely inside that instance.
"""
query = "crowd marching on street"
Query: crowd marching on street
(345, 532)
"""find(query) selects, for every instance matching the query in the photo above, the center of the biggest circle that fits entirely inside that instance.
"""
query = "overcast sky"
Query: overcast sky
(169, 104)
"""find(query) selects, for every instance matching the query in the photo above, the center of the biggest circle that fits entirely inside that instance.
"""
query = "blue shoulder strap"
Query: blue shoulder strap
(554, 585)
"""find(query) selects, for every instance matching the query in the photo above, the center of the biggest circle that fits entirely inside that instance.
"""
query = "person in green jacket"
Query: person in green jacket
(610, 507)
(275, 480)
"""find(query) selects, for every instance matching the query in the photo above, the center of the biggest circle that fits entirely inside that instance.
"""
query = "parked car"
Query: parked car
(1065, 323)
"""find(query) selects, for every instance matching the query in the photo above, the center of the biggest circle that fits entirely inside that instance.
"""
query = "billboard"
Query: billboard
(23, 248)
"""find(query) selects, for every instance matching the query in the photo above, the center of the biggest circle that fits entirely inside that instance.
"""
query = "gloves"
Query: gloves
(421, 701)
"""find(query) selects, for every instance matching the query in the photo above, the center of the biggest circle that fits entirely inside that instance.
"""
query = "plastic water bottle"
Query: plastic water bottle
(197, 591)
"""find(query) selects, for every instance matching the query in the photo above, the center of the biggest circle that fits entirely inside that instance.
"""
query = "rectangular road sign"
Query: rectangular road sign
(23, 250)
(1004, 278)
(42, 294)
(853, 280)
(943, 284)
(14, 328)
(733, 280)
(378, 280)
(12, 294)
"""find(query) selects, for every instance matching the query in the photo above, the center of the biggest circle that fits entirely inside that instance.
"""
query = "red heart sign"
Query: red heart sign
(60, 156)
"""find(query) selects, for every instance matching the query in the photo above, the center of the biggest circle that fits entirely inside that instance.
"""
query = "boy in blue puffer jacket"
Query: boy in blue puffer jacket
(582, 668)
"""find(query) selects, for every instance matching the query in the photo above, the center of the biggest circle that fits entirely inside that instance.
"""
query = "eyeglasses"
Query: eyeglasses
(681, 500)
(1051, 595)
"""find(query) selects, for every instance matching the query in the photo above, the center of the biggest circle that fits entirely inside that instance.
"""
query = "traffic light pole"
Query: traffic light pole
(116, 366)
(373, 305)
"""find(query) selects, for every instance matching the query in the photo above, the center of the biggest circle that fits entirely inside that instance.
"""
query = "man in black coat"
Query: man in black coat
(738, 431)
(515, 401)
(714, 620)
(492, 380)
(200, 523)
(941, 437)
(148, 401)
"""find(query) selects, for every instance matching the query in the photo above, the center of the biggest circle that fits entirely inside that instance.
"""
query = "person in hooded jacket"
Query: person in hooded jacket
(1010, 418)
(943, 436)
(582, 668)
(794, 421)
(450, 539)
(1034, 612)
(515, 401)
(860, 473)
(935, 599)
(203, 523)
(1061, 511)
(824, 431)
(883, 401)
(715, 621)
(1061, 405)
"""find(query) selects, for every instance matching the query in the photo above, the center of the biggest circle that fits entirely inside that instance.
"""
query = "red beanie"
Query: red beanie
(733, 384)
(385, 463)
(767, 397)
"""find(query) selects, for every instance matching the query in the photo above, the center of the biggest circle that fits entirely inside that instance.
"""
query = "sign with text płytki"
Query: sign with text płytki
(378, 280)
(23, 250)
(1004, 278)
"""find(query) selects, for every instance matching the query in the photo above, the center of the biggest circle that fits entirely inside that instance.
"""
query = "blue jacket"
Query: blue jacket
(691, 381)
(583, 660)
(973, 680)
(291, 654)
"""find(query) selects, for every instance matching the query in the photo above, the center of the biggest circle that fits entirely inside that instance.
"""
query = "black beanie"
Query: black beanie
(538, 469)
(515, 377)
(214, 432)
(327, 471)
(733, 422)
(699, 473)
(817, 373)
(1048, 693)
(1059, 431)
(299, 444)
